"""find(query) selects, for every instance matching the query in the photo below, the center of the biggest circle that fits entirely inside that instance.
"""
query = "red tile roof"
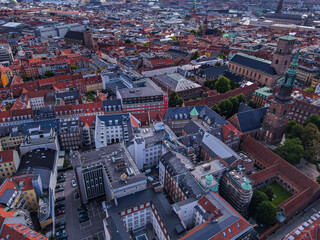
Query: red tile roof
(306, 231)
(20, 231)
(308, 189)
(6, 156)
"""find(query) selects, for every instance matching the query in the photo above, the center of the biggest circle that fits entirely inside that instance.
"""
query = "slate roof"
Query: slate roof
(49, 123)
(205, 113)
(73, 94)
(244, 107)
(251, 120)
(283, 16)
(116, 227)
(233, 77)
(255, 63)
(187, 183)
(76, 35)
(213, 71)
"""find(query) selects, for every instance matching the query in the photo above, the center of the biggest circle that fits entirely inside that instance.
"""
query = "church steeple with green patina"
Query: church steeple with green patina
(287, 82)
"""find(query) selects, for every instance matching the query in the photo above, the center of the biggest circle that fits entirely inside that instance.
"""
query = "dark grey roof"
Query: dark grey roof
(233, 77)
(75, 35)
(255, 63)
(283, 16)
(213, 72)
(205, 114)
(6, 195)
(251, 120)
(139, 92)
(69, 95)
(39, 158)
(170, 219)
(177, 52)
(112, 105)
(43, 113)
(244, 107)
(49, 123)
(187, 183)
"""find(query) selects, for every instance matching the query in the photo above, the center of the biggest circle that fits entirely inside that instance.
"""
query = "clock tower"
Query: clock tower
(277, 116)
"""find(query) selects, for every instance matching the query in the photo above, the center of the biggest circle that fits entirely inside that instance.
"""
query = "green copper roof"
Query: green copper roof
(194, 112)
(264, 92)
(246, 185)
(209, 177)
(288, 38)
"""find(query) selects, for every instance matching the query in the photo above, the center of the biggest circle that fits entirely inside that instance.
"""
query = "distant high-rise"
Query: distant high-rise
(279, 7)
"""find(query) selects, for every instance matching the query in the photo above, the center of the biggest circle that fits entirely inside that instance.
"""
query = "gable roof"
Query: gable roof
(251, 120)
(255, 63)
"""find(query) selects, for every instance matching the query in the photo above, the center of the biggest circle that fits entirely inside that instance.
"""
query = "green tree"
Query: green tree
(218, 64)
(290, 125)
(209, 84)
(269, 193)
(292, 150)
(296, 131)
(74, 67)
(252, 104)
(216, 109)
(225, 107)
(310, 90)
(222, 85)
(49, 73)
(266, 213)
(234, 85)
(127, 41)
(195, 55)
(175, 100)
(242, 98)
(257, 198)
(235, 104)
(315, 119)
(310, 133)
(312, 153)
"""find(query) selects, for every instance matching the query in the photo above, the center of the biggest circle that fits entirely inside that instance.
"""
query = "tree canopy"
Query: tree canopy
(291, 150)
(222, 85)
(175, 100)
(266, 213)
(49, 73)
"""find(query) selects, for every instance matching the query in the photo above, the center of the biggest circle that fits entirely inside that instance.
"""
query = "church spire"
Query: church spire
(287, 82)
(279, 7)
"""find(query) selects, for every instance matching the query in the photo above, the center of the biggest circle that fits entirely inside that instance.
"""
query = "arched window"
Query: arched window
(285, 63)
(277, 61)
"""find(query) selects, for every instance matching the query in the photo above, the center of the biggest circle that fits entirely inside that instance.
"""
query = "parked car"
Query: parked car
(59, 186)
(61, 208)
(83, 215)
(61, 180)
(62, 227)
(76, 195)
(58, 213)
(73, 183)
(60, 204)
(59, 190)
(63, 236)
(59, 233)
(83, 219)
(82, 211)
(82, 207)
(61, 223)
(62, 198)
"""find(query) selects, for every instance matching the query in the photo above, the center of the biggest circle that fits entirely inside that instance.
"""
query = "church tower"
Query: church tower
(277, 116)
(283, 54)
(88, 38)
(279, 7)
